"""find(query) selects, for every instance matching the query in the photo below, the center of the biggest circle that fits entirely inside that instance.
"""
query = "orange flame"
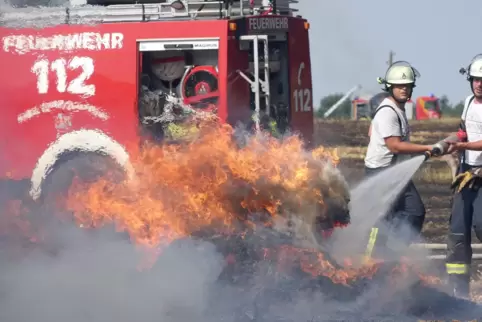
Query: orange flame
(208, 183)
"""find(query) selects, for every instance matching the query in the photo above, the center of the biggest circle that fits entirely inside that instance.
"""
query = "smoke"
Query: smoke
(82, 275)
(95, 277)
(46, 13)
(39, 3)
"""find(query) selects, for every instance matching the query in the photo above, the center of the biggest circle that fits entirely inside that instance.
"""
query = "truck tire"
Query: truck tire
(86, 167)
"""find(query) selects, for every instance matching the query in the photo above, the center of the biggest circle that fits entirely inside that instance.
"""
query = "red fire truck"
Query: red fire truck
(427, 107)
(73, 78)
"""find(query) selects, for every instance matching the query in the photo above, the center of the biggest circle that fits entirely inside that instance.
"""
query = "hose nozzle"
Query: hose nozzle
(437, 150)
(440, 148)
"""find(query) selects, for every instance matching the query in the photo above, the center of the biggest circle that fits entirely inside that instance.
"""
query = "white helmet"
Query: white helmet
(399, 72)
(474, 69)
(168, 68)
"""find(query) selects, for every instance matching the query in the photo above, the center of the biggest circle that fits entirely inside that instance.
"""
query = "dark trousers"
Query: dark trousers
(404, 221)
(466, 213)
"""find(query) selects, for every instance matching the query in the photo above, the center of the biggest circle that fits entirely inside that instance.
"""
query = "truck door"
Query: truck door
(268, 71)
(257, 75)
(301, 91)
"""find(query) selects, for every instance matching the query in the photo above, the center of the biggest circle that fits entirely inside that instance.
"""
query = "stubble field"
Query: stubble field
(433, 178)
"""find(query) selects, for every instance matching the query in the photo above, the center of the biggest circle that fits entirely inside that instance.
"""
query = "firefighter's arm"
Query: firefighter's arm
(460, 146)
(396, 145)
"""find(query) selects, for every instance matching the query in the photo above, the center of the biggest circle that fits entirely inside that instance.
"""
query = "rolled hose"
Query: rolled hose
(441, 147)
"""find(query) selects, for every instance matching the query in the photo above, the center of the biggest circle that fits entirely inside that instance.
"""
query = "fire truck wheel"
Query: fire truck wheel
(82, 167)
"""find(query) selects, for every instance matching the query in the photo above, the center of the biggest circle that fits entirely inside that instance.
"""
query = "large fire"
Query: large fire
(213, 186)
(213, 183)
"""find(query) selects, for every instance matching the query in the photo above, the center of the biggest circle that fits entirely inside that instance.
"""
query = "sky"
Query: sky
(351, 40)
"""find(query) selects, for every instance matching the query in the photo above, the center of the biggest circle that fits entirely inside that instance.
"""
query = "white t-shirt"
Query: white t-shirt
(472, 115)
(386, 123)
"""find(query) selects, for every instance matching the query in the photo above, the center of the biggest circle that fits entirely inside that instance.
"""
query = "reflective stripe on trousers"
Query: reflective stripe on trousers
(457, 269)
(371, 243)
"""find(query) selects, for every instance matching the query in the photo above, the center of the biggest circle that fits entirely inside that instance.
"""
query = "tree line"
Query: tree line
(448, 108)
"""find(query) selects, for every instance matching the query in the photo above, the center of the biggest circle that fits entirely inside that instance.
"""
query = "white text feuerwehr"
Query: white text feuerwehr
(22, 44)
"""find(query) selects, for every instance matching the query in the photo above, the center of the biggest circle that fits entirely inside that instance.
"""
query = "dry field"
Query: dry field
(433, 179)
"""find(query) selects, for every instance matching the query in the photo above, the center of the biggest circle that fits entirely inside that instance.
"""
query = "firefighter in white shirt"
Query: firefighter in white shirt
(467, 200)
(390, 144)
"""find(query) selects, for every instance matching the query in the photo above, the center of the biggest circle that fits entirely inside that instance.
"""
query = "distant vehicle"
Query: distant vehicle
(425, 107)
(360, 108)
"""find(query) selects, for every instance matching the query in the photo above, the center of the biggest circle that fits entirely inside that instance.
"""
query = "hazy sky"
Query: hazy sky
(351, 40)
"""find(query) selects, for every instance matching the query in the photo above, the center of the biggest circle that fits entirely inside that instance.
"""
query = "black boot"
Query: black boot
(460, 285)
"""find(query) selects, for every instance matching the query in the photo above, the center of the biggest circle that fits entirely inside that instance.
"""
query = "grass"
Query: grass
(446, 120)
(429, 174)
(352, 152)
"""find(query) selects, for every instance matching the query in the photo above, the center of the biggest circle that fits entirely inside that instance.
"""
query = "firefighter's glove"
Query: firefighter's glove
(471, 179)
(462, 180)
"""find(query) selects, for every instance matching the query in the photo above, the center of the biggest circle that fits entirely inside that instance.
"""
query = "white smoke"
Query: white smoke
(95, 277)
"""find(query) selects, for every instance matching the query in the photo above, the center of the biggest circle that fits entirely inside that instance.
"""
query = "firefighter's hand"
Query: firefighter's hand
(456, 146)
(451, 148)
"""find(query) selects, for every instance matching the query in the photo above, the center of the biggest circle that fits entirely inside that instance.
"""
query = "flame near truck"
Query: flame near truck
(112, 84)
(98, 79)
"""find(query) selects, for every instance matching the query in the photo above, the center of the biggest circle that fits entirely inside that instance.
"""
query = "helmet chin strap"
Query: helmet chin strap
(471, 81)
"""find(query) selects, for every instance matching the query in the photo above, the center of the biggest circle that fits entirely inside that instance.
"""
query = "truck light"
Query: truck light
(232, 26)
(307, 25)
(177, 5)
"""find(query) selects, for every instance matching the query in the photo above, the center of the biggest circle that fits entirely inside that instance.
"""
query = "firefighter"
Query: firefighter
(390, 144)
(467, 199)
